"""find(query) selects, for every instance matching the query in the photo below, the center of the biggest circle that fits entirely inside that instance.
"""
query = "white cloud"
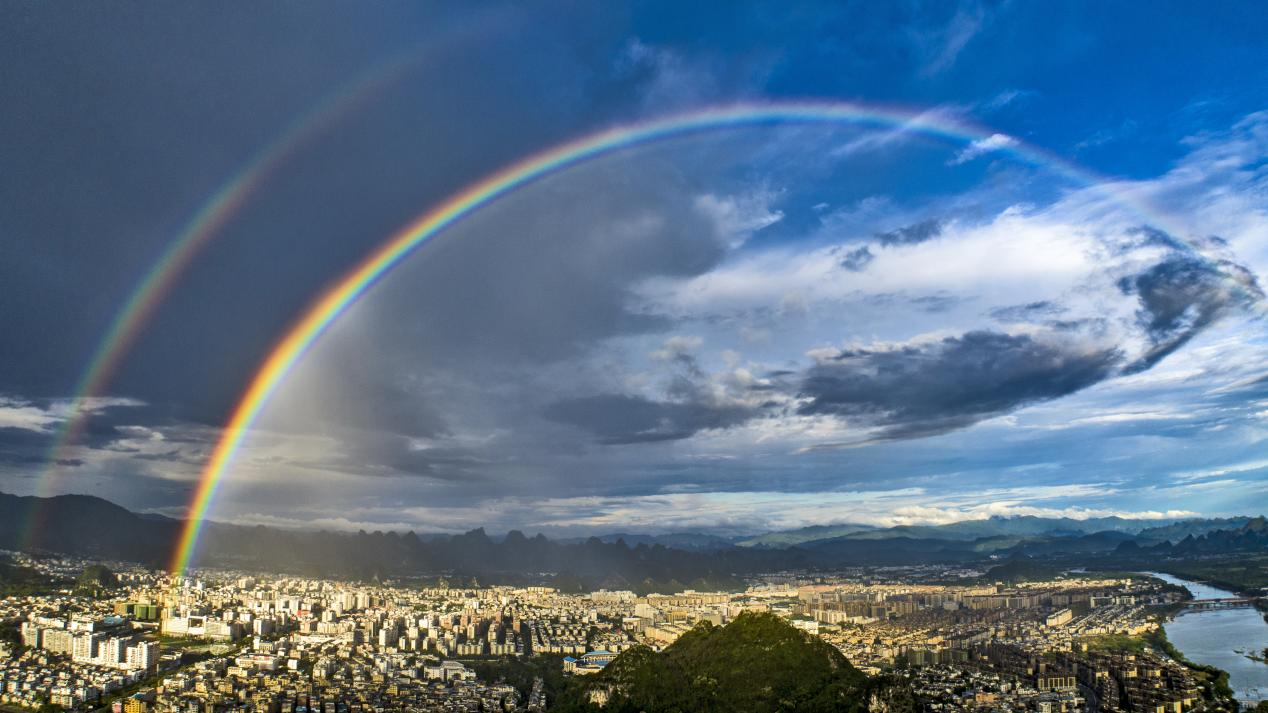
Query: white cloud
(749, 510)
(739, 216)
(16, 413)
(1006, 98)
(873, 140)
(945, 44)
(669, 79)
(1244, 467)
(981, 147)
(26, 415)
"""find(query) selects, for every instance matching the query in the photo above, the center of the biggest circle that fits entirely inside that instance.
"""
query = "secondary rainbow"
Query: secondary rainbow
(344, 292)
(204, 225)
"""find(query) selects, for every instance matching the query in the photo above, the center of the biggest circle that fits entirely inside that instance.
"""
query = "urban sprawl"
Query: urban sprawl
(220, 641)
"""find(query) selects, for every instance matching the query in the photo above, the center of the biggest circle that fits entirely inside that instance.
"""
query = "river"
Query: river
(1215, 636)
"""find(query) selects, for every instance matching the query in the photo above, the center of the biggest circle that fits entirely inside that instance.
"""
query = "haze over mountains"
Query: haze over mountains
(90, 526)
(1021, 526)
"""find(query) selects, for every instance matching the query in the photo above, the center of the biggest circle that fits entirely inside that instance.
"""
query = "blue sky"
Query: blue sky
(738, 330)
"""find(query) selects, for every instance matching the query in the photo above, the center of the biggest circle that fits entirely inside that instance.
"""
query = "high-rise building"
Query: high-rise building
(113, 652)
(143, 655)
(30, 634)
(57, 641)
(84, 647)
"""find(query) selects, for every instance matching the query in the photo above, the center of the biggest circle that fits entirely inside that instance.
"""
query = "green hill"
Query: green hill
(757, 663)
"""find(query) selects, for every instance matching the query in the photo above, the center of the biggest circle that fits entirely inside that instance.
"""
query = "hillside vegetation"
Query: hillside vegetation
(757, 663)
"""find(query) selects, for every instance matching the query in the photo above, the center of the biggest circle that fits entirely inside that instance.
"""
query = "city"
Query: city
(220, 640)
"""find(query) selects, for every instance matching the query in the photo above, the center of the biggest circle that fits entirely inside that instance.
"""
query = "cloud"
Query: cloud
(1182, 296)
(1005, 98)
(499, 356)
(679, 348)
(693, 402)
(738, 217)
(926, 388)
(751, 511)
(665, 78)
(34, 416)
(1101, 137)
(21, 414)
(945, 44)
(913, 234)
(937, 303)
(1029, 312)
(872, 141)
(933, 515)
(623, 419)
(1244, 467)
(981, 147)
(857, 260)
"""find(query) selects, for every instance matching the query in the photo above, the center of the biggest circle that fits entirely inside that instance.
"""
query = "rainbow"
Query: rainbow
(204, 225)
(344, 292)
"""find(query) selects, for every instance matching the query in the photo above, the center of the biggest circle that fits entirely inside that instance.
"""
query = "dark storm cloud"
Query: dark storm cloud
(1182, 296)
(134, 117)
(926, 389)
(21, 446)
(534, 279)
(691, 406)
(622, 418)
(171, 456)
(542, 276)
(479, 340)
(914, 234)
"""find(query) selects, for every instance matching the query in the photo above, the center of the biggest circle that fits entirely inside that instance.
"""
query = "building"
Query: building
(144, 655)
(1059, 618)
(591, 662)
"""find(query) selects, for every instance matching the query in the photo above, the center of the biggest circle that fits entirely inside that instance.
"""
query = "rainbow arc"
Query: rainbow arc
(344, 292)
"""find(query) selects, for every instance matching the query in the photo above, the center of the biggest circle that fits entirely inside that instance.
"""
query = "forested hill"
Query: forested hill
(757, 663)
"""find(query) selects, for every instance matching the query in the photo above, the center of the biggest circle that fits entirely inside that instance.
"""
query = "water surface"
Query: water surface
(1215, 636)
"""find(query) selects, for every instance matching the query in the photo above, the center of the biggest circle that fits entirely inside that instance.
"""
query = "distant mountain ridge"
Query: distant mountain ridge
(92, 527)
(1019, 526)
(784, 538)
(677, 540)
(96, 528)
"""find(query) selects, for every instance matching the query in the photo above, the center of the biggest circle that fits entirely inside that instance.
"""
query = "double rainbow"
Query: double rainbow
(332, 303)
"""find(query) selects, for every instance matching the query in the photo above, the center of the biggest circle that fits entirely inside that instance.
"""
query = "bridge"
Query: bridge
(1219, 603)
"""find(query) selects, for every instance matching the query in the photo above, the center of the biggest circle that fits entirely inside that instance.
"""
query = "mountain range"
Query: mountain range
(93, 527)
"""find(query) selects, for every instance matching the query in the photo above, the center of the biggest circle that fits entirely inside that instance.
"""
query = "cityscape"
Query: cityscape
(1022, 634)
(635, 356)
(230, 640)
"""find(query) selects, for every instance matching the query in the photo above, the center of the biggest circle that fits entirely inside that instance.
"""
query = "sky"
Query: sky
(730, 331)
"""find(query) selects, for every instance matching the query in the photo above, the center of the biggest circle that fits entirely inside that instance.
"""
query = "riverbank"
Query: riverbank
(1217, 639)
(1214, 680)
(1246, 577)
